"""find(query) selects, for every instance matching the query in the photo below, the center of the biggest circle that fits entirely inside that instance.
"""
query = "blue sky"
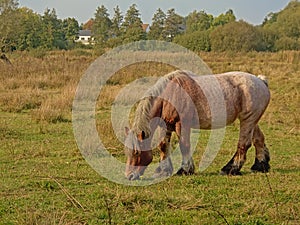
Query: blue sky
(252, 11)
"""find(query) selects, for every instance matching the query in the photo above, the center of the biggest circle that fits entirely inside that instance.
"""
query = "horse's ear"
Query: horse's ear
(141, 136)
(126, 131)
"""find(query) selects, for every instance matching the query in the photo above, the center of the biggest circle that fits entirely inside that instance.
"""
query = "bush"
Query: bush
(236, 36)
(196, 41)
(287, 43)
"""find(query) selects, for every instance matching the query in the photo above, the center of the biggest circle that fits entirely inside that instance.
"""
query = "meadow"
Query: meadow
(45, 180)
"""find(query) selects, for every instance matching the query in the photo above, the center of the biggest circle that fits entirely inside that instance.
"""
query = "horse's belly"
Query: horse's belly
(219, 117)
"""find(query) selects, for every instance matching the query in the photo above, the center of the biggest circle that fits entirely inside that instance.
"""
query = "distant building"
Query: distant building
(85, 37)
(145, 27)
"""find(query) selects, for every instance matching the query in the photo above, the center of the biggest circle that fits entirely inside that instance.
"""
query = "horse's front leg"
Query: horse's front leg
(165, 168)
(187, 165)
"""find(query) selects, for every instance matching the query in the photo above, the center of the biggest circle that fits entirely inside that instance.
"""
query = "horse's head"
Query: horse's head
(139, 154)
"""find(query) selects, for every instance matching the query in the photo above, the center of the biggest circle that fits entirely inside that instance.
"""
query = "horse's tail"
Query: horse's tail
(264, 79)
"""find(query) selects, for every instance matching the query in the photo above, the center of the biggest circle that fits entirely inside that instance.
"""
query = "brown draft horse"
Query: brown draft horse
(180, 102)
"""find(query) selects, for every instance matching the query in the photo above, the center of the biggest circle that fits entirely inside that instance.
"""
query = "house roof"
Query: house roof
(145, 27)
(85, 33)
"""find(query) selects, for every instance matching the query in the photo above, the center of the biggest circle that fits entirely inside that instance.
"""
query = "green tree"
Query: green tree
(268, 38)
(287, 43)
(132, 26)
(101, 26)
(157, 26)
(224, 18)
(70, 28)
(236, 36)
(174, 25)
(30, 29)
(116, 31)
(52, 34)
(8, 5)
(198, 21)
(117, 21)
(286, 25)
(270, 18)
(9, 24)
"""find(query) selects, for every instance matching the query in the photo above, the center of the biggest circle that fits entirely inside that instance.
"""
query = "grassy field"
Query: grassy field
(45, 180)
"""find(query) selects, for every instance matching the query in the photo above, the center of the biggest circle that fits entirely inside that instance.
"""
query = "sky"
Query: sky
(252, 11)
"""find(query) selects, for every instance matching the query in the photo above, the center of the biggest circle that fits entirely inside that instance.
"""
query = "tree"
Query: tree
(269, 37)
(132, 18)
(101, 26)
(132, 26)
(270, 18)
(157, 26)
(8, 5)
(70, 27)
(116, 31)
(174, 25)
(224, 18)
(8, 24)
(30, 29)
(117, 21)
(236, 36)
(286, 25)
(287, 43)
(52, 35)
(198, 21)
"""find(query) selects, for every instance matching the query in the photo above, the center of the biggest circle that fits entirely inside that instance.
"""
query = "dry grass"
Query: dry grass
(45, 84)
(49, 82)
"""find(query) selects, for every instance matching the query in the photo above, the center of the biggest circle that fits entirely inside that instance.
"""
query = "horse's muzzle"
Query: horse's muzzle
(133, 176)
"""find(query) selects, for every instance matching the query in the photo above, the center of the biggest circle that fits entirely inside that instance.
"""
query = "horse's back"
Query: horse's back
(242, 93)
(254, 92)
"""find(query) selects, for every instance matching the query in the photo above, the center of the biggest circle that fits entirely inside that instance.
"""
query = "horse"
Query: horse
(179, 100)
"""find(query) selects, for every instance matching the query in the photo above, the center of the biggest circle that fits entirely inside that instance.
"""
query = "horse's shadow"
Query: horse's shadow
(286, 171)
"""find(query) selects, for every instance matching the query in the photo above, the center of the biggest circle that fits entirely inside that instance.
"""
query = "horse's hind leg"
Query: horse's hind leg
(262, 157)
(165, 167)
(234, 166)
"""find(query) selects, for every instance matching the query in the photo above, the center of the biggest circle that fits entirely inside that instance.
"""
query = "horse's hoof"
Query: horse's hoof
(236, 173)
(262, 166)
(181, 172)
(231, 172)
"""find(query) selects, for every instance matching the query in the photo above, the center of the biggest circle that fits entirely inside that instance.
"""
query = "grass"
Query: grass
(45, 180)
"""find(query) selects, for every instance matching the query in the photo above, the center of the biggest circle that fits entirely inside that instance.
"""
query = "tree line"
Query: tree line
(23, 29)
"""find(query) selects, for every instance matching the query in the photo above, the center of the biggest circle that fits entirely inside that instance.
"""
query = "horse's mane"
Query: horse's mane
(142, 113)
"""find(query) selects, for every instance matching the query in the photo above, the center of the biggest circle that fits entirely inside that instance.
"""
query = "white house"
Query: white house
(85, 37)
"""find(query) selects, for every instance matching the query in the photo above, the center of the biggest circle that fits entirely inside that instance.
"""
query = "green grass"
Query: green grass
(45, 180)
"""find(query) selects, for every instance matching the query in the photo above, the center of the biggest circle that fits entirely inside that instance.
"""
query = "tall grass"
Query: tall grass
(45, 83)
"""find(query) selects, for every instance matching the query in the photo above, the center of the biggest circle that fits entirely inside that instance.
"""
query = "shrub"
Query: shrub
(196, 41)
(236, 36)
(287, 43)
